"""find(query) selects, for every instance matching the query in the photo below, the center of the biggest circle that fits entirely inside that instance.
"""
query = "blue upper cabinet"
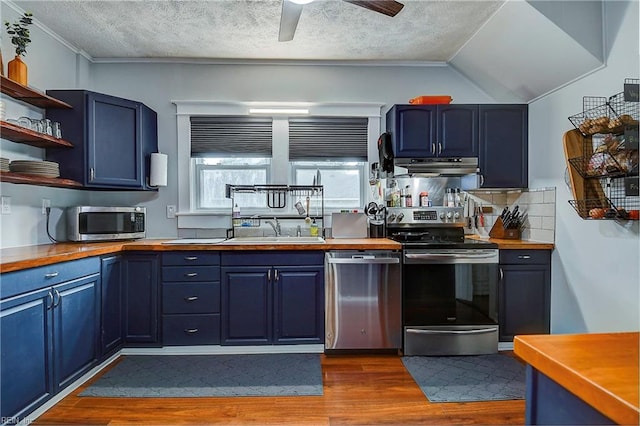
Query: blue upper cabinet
(112, 138)
(504, 136)
(427, 131)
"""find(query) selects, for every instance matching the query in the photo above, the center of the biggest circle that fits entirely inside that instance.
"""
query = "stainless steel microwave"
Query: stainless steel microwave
(87, 223)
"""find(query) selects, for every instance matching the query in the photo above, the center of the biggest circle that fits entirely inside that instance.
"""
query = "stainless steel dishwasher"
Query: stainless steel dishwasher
(363, 299)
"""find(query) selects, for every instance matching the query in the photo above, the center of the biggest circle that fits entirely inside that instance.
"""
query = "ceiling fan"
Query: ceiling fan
(291, 10)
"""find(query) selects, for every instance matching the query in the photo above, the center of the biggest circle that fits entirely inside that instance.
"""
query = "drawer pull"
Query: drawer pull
(191, 298)
(51, 275)
(524, 256)
(190, 258)
(191, 274)
(190, 330)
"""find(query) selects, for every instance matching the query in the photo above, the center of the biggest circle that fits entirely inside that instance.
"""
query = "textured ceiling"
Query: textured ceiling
(425, 30)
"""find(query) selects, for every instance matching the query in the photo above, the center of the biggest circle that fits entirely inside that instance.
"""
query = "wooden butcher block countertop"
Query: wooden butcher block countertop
(599, 368)
(14, 259)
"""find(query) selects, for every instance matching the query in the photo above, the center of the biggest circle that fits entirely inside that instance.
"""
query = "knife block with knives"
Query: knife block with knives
(499, 231)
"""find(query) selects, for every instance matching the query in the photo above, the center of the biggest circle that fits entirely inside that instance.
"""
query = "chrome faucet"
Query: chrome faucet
(275, 226)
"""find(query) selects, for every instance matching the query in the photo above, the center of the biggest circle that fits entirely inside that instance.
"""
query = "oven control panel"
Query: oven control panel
(452, 216)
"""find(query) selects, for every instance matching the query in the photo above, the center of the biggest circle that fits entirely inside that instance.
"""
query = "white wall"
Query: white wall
(595, 278)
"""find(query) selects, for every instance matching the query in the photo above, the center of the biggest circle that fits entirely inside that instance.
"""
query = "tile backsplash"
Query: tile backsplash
(539, 204)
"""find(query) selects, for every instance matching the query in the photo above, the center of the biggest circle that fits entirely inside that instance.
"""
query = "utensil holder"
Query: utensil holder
(498, 231)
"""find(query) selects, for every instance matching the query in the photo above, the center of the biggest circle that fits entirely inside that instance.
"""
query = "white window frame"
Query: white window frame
(188, 215)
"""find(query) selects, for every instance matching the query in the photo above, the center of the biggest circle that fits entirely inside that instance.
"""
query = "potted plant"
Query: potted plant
(19, 33)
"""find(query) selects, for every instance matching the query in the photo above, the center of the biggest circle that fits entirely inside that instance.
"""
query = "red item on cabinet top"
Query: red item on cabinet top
(436, 99)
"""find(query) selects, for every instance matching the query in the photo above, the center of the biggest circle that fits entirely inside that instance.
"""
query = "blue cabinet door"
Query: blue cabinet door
(504, 135)
(413, 130)
(141, 299)
(524, 304)
(299, 304)
(25, 335)
(246, 312)
(457, 131)
(112, 318)
(76, 325)
(112, 140)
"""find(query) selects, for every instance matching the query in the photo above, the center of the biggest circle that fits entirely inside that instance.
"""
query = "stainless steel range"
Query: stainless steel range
(450, 283)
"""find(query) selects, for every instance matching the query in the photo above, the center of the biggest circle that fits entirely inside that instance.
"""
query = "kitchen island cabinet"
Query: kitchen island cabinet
(49, 330)
(581, 379)
(141, 322)
(112, 138)
(272, 298)
(524, 301)
(426, 131)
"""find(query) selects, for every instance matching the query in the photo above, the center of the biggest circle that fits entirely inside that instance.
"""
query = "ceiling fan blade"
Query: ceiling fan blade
(289, 20)
(386, 7)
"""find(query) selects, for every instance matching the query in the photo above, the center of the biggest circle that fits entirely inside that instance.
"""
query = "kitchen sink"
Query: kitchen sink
(274, 240)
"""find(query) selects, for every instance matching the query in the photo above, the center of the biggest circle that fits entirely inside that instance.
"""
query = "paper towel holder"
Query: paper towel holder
(158, 169)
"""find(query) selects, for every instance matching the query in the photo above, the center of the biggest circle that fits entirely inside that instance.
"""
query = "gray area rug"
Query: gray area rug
(468, 378)
(158, 376)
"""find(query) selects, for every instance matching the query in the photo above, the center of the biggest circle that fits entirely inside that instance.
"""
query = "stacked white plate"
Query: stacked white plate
(4, 164)
(40, 168)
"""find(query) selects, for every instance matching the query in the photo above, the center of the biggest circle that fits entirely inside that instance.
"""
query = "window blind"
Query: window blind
(316, 138)
(226, 136)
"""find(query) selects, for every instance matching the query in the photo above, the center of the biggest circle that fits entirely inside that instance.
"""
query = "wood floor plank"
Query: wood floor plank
(363, 389)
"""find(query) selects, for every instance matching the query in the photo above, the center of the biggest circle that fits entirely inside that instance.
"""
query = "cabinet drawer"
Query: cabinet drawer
(26, 280)
(190, 298)
(190, 330)
(190, 258)
(191, 273)
(525, 257)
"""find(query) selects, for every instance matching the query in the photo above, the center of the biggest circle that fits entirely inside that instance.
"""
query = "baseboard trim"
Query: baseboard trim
(219, 350)
(505, 346)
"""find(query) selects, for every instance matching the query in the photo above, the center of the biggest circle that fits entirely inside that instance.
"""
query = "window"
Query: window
(336, 147)
(213, 174)
(220, 143)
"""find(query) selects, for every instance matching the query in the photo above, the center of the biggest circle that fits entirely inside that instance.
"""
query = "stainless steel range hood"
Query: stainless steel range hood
(438, 166)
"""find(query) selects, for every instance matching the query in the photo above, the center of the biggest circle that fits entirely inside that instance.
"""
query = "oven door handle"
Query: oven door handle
(463, 256)
(473, 331)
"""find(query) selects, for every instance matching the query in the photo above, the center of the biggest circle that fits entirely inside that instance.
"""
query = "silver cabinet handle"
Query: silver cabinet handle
(191, 258)
(439, 148)
(275, 275)
(56, 300)
(433, 148)
(51, 275)
(524, 256)
(269, 275)
(92, 174)
(190, 330)
(501, 274)
(50, 304)
(191, 274)
(191, 298)
(481, 179)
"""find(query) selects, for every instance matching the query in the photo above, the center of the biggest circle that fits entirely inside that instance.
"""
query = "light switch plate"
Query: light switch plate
(5, 205)
(171, 212)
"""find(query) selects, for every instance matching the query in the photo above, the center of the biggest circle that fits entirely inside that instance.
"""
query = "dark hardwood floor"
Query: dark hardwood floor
(358, 390)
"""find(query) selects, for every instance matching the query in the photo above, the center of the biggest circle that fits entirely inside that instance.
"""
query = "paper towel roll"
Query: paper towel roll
(158, 174)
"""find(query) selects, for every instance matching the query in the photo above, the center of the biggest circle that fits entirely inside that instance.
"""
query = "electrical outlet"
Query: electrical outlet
(5, 205)
(46, 203)
(171, 212)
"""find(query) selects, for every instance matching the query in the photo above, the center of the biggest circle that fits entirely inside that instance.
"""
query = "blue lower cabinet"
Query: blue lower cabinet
(26, 333)
(270, 301)
(112, 305)
(49, 338)
(141, 322)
